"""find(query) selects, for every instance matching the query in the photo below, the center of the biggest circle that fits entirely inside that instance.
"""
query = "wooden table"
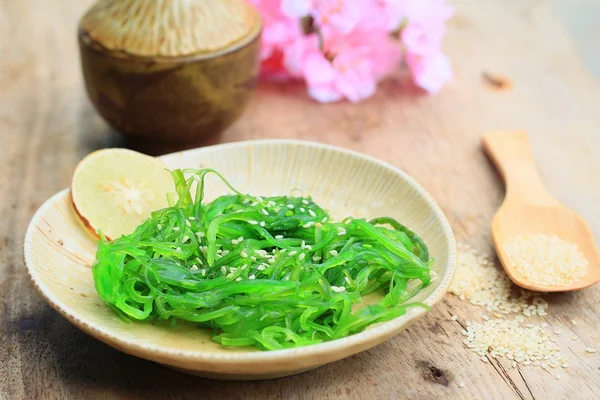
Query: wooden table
(47, 125)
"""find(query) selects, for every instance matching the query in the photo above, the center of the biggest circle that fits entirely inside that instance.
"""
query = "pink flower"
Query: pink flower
(351, 48)
(430, 73)
(350, 75)
(297, 52)
(380, 15)
(425, 26)
(279, 32)
(341, 15)
(296, 8)
(348, 66)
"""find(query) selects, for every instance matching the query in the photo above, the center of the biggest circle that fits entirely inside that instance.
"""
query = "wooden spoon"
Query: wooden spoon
(528, 208)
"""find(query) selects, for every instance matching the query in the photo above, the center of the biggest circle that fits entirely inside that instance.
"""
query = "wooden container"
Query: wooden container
(170, 72)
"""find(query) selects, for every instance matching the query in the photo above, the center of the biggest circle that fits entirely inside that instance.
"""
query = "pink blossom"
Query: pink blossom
(352, 48)
(341, 15)
(425, 26)
(430, 73)
(296, 8)
(349, 75)
(279, 32)
(297, 52)
(382, 15)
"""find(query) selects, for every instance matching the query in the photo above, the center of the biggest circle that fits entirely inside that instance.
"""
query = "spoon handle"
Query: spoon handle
(510, 152)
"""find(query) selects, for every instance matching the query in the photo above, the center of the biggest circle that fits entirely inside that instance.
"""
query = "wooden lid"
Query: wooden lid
(170, 28)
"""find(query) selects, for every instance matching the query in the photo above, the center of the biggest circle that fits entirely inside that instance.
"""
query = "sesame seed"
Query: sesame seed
(194, 268)
(338, 289)
(251, 277)
(253, 258)
(303, 244)
(188, 223)
(590, 350)
(279, 237)
(482, 283)
(293, 253)
(461, 385)
(238, 279)
(574, 338)
(453, 318)
(203, 272)
(178, 249)
(333, 252)
(522, 343)
(223, 270)
(253, 222)
(243, 254)
(185, 239)
(318, 225)
(192, 218)
(262, 223)
(234, 241)
(308, 224)
(573, 322)
(324, 220)
(199, 260)
(271, 203)
(311, 213)
(175, 228)
(316, 258)
(261, 267)
(302, 209)
(546, 260)
(159, 227)
(244, 266)
(301, 256)
(265, 212)
(200, 235)
(225, 252)
(290, 206)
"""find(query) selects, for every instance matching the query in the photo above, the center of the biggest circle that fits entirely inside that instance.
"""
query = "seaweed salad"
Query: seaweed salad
(270, 272)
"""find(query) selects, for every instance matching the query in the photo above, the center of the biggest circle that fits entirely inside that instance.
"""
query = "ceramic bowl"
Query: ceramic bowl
(59, 252)
(170, 73)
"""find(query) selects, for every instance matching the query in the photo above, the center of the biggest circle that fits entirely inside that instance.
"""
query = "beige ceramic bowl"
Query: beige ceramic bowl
(59, 253)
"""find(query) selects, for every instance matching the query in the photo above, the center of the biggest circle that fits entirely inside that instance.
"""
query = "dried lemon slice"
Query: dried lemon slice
(115, 190)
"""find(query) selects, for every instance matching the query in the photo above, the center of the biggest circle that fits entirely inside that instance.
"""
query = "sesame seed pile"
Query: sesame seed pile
(482, 283)
(546, 260)
(525, 344)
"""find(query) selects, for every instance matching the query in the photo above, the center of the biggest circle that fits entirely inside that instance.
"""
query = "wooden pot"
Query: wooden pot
(170, 72)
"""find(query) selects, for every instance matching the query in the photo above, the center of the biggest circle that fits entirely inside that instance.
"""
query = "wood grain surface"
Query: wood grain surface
(47, 125)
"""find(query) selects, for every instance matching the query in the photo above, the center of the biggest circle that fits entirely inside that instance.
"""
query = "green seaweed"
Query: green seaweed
(270, 272)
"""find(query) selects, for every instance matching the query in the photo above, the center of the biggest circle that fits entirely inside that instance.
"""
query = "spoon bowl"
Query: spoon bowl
(528, 208)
